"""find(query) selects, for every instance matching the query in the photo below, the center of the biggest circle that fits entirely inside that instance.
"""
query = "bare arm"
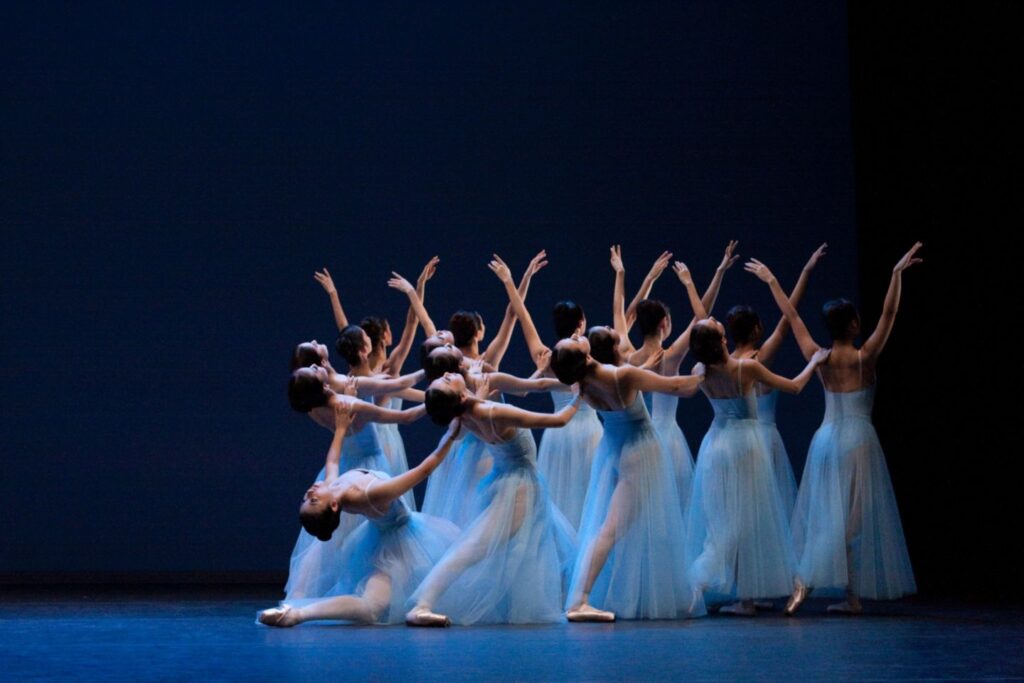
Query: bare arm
(619, 302)
(760, 373)
(537, 348)
(401, 284)
(376, 413)
(379, 385)
(876, 342)
(645, 287)
(396, 360)
(385, 491)
(677, 350)
(500, 381)
(343, 413)
(325, 280)
(807, 344)
(645, 380)
(496, 349)
(529, 419)
(771, 345)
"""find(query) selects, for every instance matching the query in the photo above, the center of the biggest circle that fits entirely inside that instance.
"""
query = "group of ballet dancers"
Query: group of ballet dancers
(611, 518)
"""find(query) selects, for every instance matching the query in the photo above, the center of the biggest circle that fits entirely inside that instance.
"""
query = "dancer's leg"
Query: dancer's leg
(365, 608)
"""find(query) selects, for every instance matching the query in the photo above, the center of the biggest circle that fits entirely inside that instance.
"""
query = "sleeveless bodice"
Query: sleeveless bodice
(397, 513)
(563, 398)
(849, 404)
(766, 406)
(664, 406)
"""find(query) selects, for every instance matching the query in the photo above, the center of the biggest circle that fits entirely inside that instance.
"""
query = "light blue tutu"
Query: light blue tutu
(499, 573)
(673, 443)
(402, 544)
(314, 566)
(565, 457)
(781, 465)
(737, 544)
(452, 487)
(644, 576)
(394, 450)
(846, 526)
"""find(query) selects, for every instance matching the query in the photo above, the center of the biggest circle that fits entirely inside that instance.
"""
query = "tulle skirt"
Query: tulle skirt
(452, 487)
(564, 462)
(846, 526)
(673, 444)
(644, 576)
(738, 544)
(781, 465)
(509, 565)
(405, 553)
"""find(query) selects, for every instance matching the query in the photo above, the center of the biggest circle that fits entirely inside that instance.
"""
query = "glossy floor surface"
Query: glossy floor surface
(90, 633)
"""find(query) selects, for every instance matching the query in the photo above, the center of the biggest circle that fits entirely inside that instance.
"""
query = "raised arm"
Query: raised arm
(619, 302)
(771, 345)
(401, 284)
(807, 344)
(645, 380)
(396, 360)
(528, 419)
(758, 372)
(496, 349)
(327, 283)
(537, 348)
(343, 414)
(645, 287)
(677, 350)
(382, 493)
(876, 342)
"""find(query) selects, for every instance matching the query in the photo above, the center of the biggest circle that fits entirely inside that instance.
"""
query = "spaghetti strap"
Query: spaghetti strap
(366, 494)
(860, 369)
(739, 378)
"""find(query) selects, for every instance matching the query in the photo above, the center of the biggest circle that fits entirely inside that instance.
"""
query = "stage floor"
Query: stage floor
(208, 633)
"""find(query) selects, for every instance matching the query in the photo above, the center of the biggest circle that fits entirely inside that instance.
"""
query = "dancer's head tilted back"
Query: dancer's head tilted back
(707, 342)
(569, 319)
(441, 360)
(318, 513)
(353, 345)
(653, 318)
(466, 327)
(379, 331)
(445, 398)
(604, 344)
(308, 353)
(434, 341)
(744, 325)
(841, 319)
(570, 359)
(307, 388)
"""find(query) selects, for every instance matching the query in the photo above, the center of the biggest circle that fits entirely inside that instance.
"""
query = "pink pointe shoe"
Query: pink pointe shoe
(800, 593)
(422, 616)
(281, 617)
(587, 613)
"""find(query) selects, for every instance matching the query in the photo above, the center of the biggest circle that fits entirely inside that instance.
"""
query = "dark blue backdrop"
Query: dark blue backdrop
(173, 175)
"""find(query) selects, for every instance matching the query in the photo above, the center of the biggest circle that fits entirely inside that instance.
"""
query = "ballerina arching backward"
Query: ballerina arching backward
(746, 330)
(655, 322)
(508, 564)
(738, 545)
(846, 525)
(630, 531)
(313, 567)
(384, 558)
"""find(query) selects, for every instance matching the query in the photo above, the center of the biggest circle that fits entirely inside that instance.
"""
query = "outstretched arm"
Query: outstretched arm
(396, 360)
(382, 493)
(343, 414)
(645, 287)
(376, 413)
(327, 283)
(645, 380)
(401, 284)
(771, 345)
(496, 349)
(537, 348)
(876, 342)
(528, 419)
(760, 373)
(380, 385)
(807, 344)
(675, 353)
(500, 381)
